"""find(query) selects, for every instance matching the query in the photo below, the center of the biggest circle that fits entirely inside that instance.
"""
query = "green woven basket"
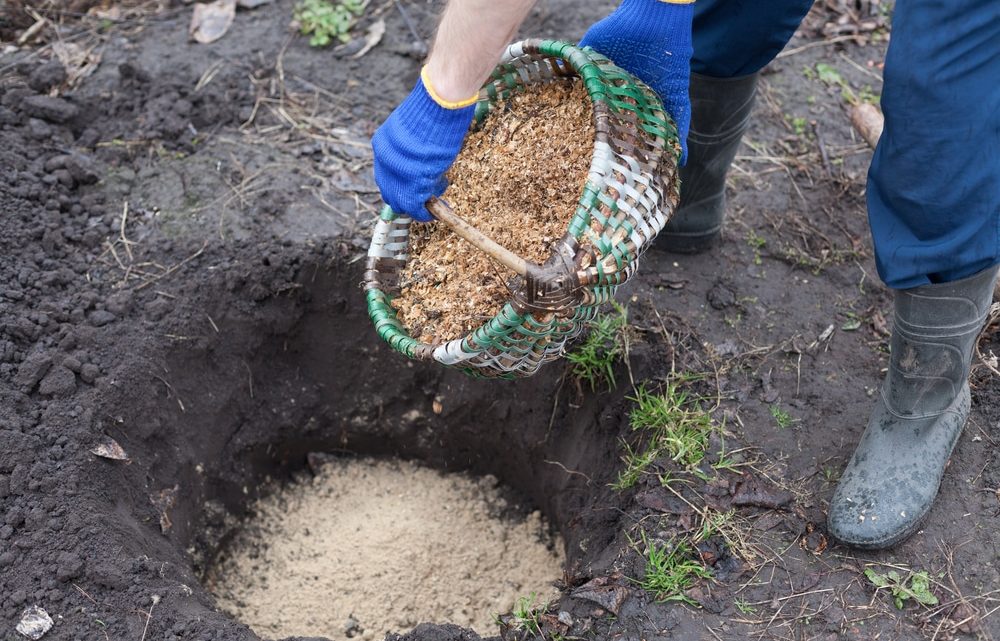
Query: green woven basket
(631, 191)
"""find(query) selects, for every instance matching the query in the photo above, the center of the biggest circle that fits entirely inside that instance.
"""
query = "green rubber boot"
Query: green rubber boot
(720, 113)
(891, 481)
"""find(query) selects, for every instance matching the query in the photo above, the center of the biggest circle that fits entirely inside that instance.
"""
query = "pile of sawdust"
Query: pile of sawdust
(370, 547)
(518, 179)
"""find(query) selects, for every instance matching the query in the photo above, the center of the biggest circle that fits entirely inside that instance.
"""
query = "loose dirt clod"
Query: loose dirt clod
(518, 179)
(370, 547)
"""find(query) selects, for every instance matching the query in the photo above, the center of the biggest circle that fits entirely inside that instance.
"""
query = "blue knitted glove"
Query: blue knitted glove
(651, 39)
(416, 145)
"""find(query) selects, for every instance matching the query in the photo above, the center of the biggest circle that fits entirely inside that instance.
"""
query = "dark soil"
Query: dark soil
(182, 237)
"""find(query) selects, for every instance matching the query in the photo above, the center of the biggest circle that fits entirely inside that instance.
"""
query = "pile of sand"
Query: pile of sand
(369, 547)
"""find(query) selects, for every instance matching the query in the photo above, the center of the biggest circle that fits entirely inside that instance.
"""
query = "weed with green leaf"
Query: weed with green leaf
(914, 586)
(324, 20)
(757, 244)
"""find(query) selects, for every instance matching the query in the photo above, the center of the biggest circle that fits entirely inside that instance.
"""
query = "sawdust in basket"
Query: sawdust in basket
(518, 179)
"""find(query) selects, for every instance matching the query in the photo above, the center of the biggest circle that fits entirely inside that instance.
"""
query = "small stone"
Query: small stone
(56, 162)
(72, 363)
(39, 129)
(60, 381)
(7, 117)
(50, 109)
(70, 566)
(353, 627)
(89, 373)
(35, 622)
(83, 168)
(120, 303)
(47, 76)
(158, 308)
(64, 177)
(32, 370)
(100, 318)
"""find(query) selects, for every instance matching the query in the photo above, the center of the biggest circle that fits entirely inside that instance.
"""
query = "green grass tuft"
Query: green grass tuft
(594, 359)
(674, 426)
(781, 417)
(670, 570)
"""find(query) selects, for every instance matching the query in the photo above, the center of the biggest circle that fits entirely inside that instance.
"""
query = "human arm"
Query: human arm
(420, 139)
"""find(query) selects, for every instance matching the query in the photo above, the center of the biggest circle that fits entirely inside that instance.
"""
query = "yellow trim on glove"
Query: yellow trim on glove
(678, 1)
(447, 104)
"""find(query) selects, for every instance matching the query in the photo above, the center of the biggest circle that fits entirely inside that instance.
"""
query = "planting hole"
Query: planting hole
(369, 546)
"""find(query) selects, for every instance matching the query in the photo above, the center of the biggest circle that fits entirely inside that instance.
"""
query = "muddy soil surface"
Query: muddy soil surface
(182, 233)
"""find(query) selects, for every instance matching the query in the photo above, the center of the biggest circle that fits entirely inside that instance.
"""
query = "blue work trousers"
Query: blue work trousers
(934, 183)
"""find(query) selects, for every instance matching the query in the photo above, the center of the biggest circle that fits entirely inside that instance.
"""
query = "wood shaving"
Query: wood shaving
(518, 179)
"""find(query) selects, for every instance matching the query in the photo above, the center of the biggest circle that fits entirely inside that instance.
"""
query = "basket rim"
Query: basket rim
(583, 63)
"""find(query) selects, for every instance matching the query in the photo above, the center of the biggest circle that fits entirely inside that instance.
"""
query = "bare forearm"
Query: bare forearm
(469, 42)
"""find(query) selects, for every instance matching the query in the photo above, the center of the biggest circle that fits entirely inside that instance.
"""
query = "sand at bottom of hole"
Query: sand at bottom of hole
(387, 544)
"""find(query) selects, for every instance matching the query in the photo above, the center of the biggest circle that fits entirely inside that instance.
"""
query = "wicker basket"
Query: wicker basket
(631, 191)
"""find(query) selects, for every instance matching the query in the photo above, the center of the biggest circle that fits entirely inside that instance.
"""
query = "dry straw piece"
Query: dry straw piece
(630, 191)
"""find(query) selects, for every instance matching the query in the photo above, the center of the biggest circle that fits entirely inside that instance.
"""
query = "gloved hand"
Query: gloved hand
(416, 145)
(651, 39)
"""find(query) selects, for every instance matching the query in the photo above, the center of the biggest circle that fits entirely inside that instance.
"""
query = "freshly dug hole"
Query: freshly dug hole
(518, 179)
(368, 547)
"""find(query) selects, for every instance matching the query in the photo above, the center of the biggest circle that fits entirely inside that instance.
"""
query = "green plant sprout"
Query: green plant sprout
(757, 244)
(670, 570)
(526, 614)
(594, 359)
(744, 606)
(324, 20)
(915, 586)
(781, 417)
(725, 462)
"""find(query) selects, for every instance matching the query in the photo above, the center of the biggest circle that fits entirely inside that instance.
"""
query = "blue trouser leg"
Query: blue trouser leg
(738, 37)
(934, 183)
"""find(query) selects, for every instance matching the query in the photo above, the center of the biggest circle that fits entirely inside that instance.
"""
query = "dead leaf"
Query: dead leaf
(672, 283)
(769, 395)
(164, 501)
(372, 37)
(753, 491)
(109, 448)
(705, 599)
(813, 540)
(113, 13)
(658, 499)
(209, 22)
(78, 62)
(602, 592)
(878, 323)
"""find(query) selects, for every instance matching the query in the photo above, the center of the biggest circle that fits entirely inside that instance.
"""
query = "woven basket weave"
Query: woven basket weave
(631, 191)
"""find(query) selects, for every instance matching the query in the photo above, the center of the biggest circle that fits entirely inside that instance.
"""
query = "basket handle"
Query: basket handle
(443, 212)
